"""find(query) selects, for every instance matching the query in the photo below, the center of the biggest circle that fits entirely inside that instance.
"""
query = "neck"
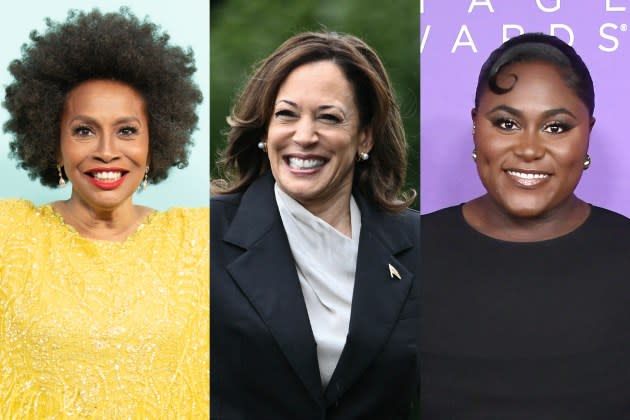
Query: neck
(335, 211)
(109, 224)
(489, 218)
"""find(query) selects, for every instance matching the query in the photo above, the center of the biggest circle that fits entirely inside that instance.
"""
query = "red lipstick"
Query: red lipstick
(106, 184)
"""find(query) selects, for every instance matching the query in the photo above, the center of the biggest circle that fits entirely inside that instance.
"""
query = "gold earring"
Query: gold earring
(145, 182)
(474, 154)
(62, 182)
(587, 162)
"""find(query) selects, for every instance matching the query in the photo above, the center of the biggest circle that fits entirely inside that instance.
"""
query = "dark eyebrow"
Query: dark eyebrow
(507, 109)
(546, 114)
(293, 104)
(557, 111)
(326, 107)
(321, 107)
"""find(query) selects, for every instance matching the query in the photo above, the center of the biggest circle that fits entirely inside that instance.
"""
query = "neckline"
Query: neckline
(470, 228)
(51, 211)
(302, 214)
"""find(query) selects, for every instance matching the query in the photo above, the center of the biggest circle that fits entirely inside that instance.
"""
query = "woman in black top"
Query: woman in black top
(526, 292)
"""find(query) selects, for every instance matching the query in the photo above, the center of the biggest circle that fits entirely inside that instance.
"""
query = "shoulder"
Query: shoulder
(17, 221)
(604, 218)
(447, 213)
(225, 202)
(16, 207)
(223, 208)
(14, 213)
(446, 218)
(191, 223)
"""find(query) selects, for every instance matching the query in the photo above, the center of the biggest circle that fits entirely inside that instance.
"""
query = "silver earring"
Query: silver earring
(587, 162)
(474, 154)
(473, 130)
(145, 182)
(263, 146)
(362, 156)
(62, 182)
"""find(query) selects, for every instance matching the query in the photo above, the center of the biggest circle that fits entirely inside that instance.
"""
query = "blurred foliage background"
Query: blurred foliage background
(242, 32)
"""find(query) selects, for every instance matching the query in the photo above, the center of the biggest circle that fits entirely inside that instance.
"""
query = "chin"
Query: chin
(525, 211)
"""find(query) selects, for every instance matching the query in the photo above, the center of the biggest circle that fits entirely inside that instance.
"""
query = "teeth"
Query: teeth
(298, 163)
(528, 175)
(107, 176)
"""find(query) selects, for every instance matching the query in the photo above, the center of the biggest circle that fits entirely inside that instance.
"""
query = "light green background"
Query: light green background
(188, 24)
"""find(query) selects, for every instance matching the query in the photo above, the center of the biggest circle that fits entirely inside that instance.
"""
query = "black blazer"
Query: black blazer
(263, 354)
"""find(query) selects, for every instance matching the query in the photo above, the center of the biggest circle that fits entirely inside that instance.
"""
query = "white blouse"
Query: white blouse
(326, 262)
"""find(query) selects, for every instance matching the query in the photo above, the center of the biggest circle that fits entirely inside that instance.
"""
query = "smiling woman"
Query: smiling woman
(314, 252)
(525, 294)
(104, 304)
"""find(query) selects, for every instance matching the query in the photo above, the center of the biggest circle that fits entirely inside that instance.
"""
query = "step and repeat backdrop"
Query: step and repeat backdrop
(456, 37)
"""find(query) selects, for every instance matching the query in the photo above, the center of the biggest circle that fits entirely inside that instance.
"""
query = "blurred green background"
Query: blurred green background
(242, 32)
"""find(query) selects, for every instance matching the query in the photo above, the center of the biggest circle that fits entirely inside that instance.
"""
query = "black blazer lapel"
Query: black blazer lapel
(379, 295)
(266, 274)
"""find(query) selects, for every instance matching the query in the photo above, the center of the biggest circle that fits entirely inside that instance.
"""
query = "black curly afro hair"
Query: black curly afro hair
(93, 45)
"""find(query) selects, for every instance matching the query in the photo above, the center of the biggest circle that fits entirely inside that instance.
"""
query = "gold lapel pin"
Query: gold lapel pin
(393, 272)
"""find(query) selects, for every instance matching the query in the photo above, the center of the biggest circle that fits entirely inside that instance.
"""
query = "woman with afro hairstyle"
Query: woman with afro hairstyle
(104, 304)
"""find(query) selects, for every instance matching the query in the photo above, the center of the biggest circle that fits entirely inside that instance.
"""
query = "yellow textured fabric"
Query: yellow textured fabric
(103, 330)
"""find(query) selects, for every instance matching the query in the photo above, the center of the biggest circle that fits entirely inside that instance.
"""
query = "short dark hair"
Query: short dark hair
(112, 46)
(380, 178)
(530, 47)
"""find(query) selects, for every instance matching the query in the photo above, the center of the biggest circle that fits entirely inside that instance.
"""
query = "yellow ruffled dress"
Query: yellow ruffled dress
(103, 330)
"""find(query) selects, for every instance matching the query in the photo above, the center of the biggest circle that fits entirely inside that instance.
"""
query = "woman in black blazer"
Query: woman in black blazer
(313, 252)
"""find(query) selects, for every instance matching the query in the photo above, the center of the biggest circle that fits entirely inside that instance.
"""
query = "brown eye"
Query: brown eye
(284, 114)
(128, 131)
(82, 131)
(506, 124)
(556, 127)
(330, 118)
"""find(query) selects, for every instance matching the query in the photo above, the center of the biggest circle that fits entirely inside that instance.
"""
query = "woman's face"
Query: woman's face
(531, 142)
(314, 134)
(104, 143)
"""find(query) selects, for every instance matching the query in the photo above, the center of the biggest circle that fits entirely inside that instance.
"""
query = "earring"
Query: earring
(263, 146)
(587, 162)
(474, 154)
(62, 182)
(362, 156)
(473, 130)
(145, 182)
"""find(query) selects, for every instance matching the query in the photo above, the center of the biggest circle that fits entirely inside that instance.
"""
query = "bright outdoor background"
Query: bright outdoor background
(244, 32)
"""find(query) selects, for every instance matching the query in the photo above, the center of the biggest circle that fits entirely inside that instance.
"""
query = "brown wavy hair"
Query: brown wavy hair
(381, 178)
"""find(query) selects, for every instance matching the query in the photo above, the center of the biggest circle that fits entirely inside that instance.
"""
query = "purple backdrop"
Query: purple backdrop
(456, 36)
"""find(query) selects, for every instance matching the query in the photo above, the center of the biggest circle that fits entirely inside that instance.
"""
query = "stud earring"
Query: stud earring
(62, 182)
(145, 182)
(473, 130)
(362, 156)
(263, 146)
(474, 154)
(587, 162)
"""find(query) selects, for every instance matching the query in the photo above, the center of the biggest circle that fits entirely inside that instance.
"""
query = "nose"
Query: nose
(106, 149)
(530, 146)
(305, 132)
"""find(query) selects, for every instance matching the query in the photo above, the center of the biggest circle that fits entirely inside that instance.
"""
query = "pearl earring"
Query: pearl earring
(145, 182)
(62, 182)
